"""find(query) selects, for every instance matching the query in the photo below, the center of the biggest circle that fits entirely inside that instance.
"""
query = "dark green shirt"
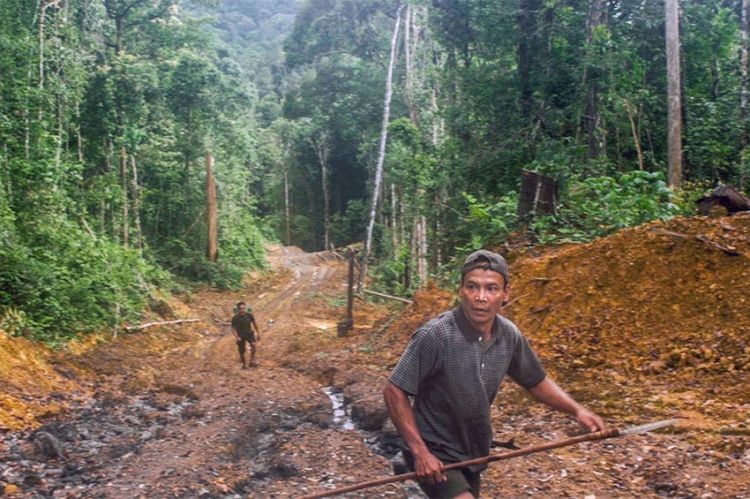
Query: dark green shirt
(242, 323)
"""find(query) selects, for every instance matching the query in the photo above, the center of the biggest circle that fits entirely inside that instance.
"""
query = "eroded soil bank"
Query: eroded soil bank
(639, 326)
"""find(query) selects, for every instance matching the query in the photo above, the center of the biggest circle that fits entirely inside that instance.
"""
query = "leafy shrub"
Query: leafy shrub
(57, 280)
(388, 274)
(488, 223)
(240, 250)
(598, 206)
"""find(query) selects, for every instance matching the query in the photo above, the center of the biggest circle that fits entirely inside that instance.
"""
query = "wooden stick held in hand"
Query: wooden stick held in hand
(588, 437)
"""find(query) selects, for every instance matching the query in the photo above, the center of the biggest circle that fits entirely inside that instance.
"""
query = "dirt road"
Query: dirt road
(181, 419)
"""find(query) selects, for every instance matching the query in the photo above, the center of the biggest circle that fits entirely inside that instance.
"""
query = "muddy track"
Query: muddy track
(204, 427)
(174, 416)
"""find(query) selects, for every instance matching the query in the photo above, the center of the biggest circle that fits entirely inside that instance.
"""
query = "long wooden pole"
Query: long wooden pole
(588, 437)
(130, 329)
(389, 297)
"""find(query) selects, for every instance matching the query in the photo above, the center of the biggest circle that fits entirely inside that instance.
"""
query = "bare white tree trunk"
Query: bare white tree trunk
(136, 204)
(674, 116)
(636, 131)
(408, 55)
(437, 121)
(394, 219)
(422, 250)
(212, 217)
(287, 210)
(321, 146)
(124, 183)
(381, 152)
(79, 137)
(438, 244)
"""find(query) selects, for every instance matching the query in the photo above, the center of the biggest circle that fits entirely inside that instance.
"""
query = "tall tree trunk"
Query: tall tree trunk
(381, 152)
(6, 171)
(124, 183)
(212, 219)
(636, 131)
(394, 220)
(287, 209)
(597, 17)
(409, 50)
(527, 27)
(674, 117)
(422, 250)
(744, 32)
(79, 137)
(42, 22)
(438, 124)
(136, 204)
(321, 146)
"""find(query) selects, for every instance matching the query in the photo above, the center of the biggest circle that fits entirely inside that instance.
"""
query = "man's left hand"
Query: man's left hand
(590, 421)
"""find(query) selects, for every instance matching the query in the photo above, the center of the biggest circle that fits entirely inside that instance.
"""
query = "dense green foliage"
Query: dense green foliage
(575, 89)
(108, 108)
(107, 111)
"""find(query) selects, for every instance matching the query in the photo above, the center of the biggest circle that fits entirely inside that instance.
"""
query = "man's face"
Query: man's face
(482, 295)
(241, 308)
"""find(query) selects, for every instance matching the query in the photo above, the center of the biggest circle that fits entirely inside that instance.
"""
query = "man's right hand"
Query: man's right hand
(428, 467)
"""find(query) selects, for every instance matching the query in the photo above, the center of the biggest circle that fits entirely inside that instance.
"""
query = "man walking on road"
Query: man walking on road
(453, 367)
(245, 329)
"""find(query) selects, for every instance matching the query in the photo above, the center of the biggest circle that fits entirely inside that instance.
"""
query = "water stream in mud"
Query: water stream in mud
(341, 417)
(376, 441)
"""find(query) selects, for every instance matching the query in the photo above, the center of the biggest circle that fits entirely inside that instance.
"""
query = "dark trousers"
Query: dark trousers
(241, 347)
(459, 480)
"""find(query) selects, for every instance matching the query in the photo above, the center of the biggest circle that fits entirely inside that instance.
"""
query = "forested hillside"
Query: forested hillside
(484, 90)
(108, 112)
(116, 115)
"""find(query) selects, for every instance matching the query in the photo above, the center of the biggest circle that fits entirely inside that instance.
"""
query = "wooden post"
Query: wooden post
(346, 325)
(212, 251)
(350, 292)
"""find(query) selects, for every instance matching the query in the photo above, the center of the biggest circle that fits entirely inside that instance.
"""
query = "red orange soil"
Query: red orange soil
(639, 326)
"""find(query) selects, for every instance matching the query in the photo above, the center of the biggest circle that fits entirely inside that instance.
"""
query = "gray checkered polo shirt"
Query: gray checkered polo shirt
(454, 378)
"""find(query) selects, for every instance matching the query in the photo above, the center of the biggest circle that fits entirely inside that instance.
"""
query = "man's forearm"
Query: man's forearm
(550, 393)
(426, 465)
(402, 416)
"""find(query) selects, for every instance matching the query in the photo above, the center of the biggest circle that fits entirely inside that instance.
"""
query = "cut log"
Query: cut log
(729, 250)
(725, 196)
(131, 329)
(389, 297)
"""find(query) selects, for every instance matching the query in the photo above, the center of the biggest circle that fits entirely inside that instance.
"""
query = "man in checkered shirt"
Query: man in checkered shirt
(453, 367)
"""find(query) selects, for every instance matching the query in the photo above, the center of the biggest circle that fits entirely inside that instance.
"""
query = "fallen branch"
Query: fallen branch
(131, 329)
(515, 300)
(390, 297)
(544, 279)
(726, 249)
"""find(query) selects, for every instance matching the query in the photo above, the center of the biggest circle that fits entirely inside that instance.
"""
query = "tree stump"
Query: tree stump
(539, 195)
